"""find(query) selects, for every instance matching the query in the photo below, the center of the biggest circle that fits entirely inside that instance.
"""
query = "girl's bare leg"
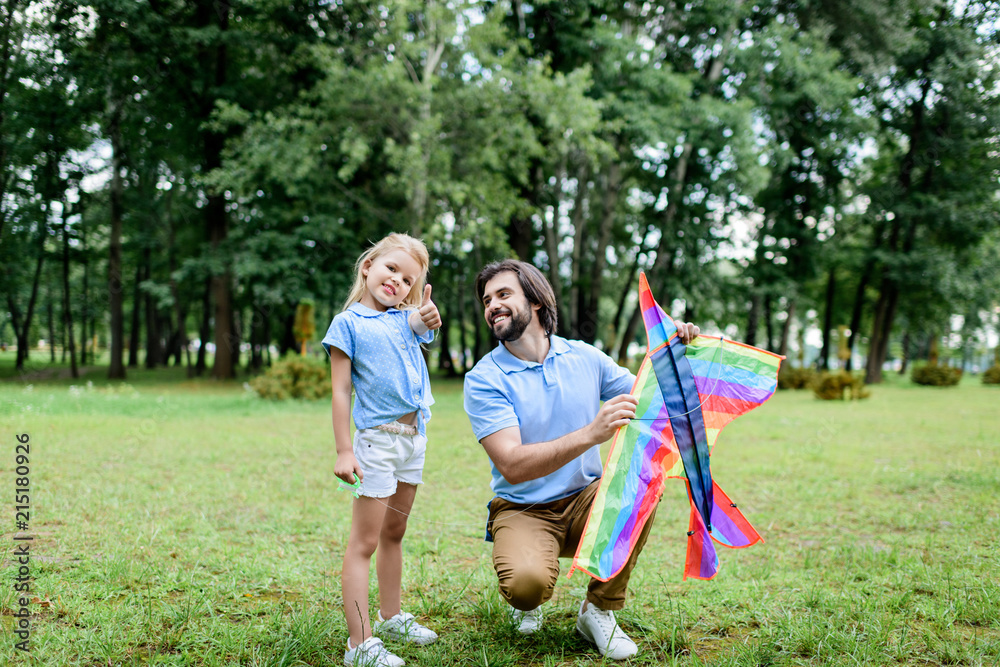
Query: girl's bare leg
(389, 561)
(366, 526)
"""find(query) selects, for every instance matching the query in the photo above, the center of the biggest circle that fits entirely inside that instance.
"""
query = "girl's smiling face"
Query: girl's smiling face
(389, 279)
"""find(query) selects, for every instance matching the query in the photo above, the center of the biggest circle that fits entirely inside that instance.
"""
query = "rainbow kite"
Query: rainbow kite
(686, 395)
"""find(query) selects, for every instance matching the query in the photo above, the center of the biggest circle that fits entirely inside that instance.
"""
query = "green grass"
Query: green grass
(184, 522)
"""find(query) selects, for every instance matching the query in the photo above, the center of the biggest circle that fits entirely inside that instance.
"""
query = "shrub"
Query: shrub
(934, 375)
(832, 386)
(992, 375)
(796, 378)
(293, 377)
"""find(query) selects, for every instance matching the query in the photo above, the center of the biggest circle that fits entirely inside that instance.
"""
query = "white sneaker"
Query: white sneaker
(600, 627)
(371, 653)
(528, 622)
(404, 626)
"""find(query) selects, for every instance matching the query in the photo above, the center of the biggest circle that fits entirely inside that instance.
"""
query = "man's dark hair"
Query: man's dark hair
(535, 286)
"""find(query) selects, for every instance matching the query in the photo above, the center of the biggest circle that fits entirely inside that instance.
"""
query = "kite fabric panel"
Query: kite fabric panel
(687, 394)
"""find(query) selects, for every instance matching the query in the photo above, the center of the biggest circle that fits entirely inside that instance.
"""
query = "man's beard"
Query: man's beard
(516, 324)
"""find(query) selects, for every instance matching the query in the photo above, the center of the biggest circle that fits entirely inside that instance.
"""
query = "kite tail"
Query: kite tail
(702, 562)
(729, 526)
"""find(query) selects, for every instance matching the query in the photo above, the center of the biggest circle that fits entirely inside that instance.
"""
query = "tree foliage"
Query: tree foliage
(199, 169)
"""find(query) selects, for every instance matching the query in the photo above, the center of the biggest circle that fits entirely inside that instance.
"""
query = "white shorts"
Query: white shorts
(387, 458)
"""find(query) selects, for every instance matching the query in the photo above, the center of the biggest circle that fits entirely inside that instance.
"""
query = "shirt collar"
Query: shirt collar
(365, 311)
(508, 363)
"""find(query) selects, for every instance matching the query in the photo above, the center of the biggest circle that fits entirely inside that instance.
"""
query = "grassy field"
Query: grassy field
(181, 522)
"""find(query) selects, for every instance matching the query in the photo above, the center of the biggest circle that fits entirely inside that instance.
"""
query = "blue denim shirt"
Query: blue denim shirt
(387, 368)
(545, 401)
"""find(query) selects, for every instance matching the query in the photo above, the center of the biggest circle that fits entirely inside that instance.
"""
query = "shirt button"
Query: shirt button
(403, 346)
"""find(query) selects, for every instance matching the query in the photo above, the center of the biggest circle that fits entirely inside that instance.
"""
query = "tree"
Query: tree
(807, 105)
(934, 189)
(43, 117)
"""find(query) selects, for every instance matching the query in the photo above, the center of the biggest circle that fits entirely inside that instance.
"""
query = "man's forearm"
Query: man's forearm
(533, 460)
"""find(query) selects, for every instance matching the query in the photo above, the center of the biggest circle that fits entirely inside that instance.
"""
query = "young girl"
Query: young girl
(374, 346)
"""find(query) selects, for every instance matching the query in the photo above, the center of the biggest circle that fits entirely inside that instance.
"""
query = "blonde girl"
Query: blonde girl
(374, 348)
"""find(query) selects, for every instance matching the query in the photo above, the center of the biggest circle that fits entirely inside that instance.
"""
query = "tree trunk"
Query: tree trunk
(633, 322)
(216, 217)
(859, 303)
(589, 318)
(116, 371)
(67, 310)
(577, 223)
(239, 327)
(154, 346)
(521, 229)
(425, 90)
(85, 296)
(786, 329)
(831, 292)
(265, 338)
(134, 336)
(752, 319)
(223, 367)
(678, 180)
(885, 312)
(15, 321)
(288, 341)
(22, 328)
(906, 353)
(630, 277)
(677, 183)
(204, 329)
(256, 361)
(768, 322)
(52, 328)
(802, 344)
(873, 367)
(446, 361)
(267, 347)
(479, 346)
(552, 250)
(7, 45)
(885, 309)
(461, 327)
(180, 339)
(616, 322)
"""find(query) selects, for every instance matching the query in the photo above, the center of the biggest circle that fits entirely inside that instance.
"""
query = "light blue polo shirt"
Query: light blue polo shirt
(545, 401)
(387, 368)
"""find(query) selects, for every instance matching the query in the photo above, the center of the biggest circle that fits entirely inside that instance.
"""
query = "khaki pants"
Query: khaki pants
(528, 541)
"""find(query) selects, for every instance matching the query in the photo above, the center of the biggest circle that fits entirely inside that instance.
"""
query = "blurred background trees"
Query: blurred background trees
(178, 177)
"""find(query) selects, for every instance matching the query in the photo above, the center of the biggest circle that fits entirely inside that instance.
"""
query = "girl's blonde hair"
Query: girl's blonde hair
(414, 247)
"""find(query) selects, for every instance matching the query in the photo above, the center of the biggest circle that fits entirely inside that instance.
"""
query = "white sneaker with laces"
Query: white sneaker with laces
(404, 626)
(528, 622)
(600, 627)
(371, 653)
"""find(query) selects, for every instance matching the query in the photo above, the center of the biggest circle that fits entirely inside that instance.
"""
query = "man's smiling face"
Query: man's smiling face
(506, 308)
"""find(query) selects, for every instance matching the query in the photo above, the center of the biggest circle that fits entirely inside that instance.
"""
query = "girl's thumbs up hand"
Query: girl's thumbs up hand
(429, 314)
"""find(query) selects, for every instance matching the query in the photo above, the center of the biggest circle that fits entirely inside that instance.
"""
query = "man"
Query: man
(535, 406)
